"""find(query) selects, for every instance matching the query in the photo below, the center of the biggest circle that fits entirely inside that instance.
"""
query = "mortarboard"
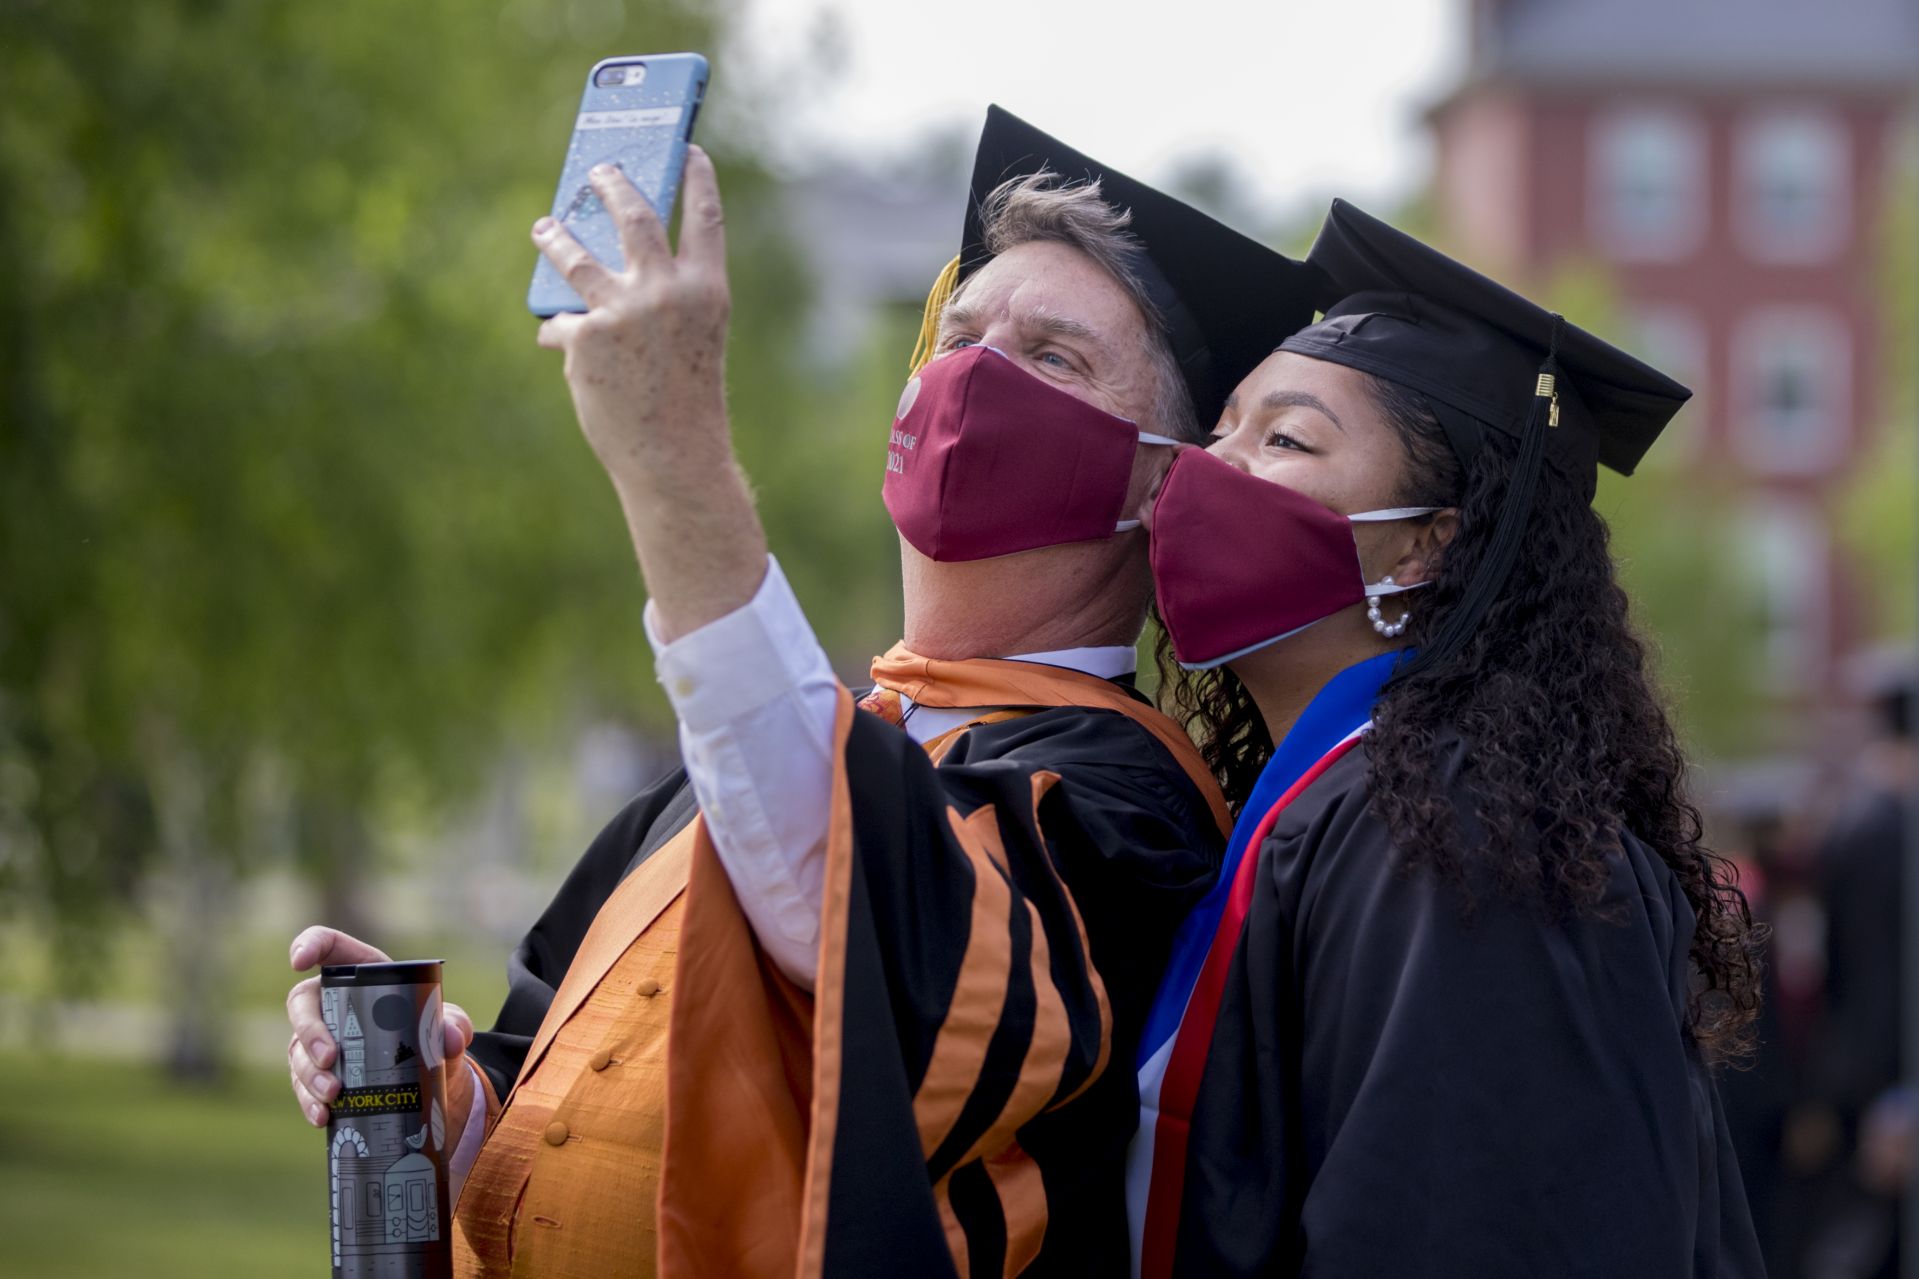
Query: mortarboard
(1486, 359)
(1226, 299)
(1408, 313)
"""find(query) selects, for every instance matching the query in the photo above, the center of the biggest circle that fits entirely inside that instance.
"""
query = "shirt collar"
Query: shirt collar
(1106, 661)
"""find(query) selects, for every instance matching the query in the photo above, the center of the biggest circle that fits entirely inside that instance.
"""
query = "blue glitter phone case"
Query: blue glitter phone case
(638, 113)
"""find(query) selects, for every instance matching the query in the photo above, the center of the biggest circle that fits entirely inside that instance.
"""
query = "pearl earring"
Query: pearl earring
(1391, 630)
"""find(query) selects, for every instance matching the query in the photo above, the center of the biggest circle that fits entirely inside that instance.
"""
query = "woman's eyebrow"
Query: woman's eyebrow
(1300, 400)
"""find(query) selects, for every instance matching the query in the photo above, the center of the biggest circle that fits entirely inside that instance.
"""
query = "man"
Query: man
(906, 970)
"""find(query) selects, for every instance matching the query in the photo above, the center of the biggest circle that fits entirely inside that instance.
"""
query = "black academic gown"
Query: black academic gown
(1861, 867)
(1126, 832)
(1856, 1058)
(1393, 1090)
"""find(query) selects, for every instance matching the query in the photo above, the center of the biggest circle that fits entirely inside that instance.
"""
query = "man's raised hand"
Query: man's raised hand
(646, 365)
(645, 362)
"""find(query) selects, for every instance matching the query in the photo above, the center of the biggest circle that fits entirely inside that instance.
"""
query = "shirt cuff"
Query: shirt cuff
(734, 665)
(460, 1162)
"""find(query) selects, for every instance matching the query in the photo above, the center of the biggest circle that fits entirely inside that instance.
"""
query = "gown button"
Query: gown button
(601, 1059)
(556, 1133)
(647, 986)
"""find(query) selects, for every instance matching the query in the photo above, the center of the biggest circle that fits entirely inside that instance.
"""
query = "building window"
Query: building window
(1672, 340)
(1786, 557)
(1792, 367)
(1793, 188)
(1648, 182)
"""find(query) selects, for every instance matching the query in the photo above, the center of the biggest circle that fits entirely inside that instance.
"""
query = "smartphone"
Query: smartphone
(637, 113)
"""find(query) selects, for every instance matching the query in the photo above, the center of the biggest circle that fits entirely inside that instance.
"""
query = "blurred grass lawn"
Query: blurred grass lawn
(109, 1169)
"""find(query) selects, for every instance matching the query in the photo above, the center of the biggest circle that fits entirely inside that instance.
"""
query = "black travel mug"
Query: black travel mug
(386, 1135)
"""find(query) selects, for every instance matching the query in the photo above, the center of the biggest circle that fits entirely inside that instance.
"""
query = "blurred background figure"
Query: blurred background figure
(309, 592)
(1857, 1115)
(1758, 1099)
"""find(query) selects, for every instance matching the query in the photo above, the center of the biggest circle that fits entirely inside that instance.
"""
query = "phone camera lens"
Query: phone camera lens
(626, 73)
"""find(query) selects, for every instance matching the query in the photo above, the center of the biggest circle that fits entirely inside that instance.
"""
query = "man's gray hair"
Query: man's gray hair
(1045, 206)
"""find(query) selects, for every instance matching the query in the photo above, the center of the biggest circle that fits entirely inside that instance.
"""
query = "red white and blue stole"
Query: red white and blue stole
(1179, 1029)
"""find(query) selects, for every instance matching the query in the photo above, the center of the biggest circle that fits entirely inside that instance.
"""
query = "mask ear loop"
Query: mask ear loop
(1146, 437)
(1394, 513)
(1386, 586)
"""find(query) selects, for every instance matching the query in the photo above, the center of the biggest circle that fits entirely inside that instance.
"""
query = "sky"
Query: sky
(1306, 99)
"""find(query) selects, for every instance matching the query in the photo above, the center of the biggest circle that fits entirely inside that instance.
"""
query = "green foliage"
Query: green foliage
(1693, 603)
(294, 517)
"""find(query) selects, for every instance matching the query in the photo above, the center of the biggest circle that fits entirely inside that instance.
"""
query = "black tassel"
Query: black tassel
(1514, 517)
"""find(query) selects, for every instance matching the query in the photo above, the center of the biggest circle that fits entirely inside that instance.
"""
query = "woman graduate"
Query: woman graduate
(1454, 1006)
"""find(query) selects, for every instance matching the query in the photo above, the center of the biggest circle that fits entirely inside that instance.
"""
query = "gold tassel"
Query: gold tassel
(936, 300)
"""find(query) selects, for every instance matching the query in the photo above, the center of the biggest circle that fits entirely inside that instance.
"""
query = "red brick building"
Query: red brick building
(1727, 163)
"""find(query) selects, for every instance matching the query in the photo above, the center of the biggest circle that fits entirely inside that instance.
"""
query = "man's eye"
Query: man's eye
(1057, 360)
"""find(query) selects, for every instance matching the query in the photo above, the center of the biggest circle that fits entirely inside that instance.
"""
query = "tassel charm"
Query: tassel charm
(1548, 389)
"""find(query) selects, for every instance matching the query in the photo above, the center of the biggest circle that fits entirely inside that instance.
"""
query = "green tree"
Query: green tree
(294, 520)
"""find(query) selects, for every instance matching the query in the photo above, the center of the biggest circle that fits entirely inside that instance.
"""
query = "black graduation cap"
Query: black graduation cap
(1486, 359)
(1226, 299)
(1408, 313)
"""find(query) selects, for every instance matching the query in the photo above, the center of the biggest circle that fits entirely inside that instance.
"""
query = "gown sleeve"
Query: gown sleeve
(540, 961)
(1005, 918)
(1429, 1087)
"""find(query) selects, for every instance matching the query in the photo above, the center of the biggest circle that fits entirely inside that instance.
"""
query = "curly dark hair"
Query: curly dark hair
(1571, 744)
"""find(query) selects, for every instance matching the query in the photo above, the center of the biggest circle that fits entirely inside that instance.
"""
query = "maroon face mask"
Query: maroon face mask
(987, 459)
(1240, 562)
